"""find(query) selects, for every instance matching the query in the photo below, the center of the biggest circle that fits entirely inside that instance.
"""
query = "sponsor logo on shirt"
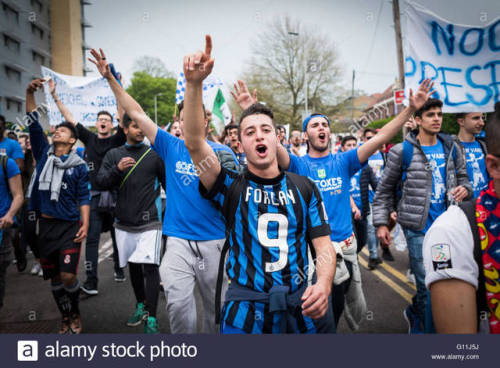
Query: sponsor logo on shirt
(441, 257)
(321, 173)
(185, 168)
(330, 184)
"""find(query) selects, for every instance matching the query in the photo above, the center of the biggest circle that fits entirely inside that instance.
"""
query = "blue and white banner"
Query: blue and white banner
(83, 96)
(463, 61)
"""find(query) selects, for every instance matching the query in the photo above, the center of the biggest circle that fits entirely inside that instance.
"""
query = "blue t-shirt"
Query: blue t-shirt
(476, 167)
(75, 186)
(437, 163)
(11, 148)
(332, 174)
(187, 214)
(5, 196)
(356, 191)
(376, 162)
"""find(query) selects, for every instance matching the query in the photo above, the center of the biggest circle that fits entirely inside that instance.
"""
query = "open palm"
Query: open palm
(101, 63)
(422, 95)
(242, 95)
(199, 65)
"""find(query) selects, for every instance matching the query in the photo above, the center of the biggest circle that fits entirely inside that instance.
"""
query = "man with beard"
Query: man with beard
(333, 172)
(101, 219)
(176, 130)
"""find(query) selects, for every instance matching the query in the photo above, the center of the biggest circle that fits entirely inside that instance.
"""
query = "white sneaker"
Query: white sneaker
(410, 277)
(40, 273)
(35, 270)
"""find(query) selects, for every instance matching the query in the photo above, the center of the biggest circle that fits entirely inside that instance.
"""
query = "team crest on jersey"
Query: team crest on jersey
(441, 257)
(321, 173)
(67, 259)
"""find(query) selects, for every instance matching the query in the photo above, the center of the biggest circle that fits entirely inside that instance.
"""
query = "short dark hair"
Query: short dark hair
(104, 112)
(180, 107)
(71, 127)
(229, 127)
(126, 120)
(2, 119)
(429, 104)
(368, 130)
(348, 138)
(12, 135)
(492, 131)
(256, 109)
(460, 115)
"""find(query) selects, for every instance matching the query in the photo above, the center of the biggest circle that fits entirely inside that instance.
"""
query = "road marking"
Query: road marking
(393, 271)
(398, 289)
(105, 251)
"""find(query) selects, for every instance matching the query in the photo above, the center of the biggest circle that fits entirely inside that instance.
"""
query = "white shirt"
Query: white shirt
(448, 249)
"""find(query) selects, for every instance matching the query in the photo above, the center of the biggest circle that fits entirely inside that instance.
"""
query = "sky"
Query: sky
(362, 30)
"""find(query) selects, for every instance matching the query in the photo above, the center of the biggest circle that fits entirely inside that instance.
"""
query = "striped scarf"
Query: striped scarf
(488, 221)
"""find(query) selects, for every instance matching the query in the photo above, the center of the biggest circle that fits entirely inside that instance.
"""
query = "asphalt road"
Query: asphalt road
(30, 308)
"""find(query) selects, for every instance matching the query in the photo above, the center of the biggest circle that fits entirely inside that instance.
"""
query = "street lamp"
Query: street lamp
(305, 78)
(156, 107)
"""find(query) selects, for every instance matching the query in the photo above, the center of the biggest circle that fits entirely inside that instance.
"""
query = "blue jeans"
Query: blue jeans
(414, 240)
(97, 219)
(371, 238)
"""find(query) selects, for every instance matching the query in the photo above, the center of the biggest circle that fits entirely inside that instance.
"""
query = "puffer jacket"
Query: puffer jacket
(416, 190)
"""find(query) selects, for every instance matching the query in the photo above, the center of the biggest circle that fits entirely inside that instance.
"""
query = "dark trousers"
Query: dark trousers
(98, 221)
(338, 295)
(360, 232)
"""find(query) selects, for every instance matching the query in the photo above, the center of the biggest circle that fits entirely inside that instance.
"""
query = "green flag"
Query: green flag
(219, 101)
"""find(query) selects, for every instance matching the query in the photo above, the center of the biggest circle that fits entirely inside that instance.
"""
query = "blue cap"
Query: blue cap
(306, 121)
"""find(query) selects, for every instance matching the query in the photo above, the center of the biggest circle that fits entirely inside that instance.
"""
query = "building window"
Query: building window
(11, 43)
(13, 105)
(37, 5)
(12, 74)
(38, 58)
(10, 12)
(37, 31)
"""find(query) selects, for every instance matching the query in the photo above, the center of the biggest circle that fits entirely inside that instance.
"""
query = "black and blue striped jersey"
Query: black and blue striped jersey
(270, 223)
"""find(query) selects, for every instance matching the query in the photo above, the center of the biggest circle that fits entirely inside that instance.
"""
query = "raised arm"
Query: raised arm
(62, 108)
(196, 68)
(123, 99)
(394, 126)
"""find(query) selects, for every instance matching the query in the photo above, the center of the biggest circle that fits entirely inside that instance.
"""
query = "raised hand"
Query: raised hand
(242, 95)
(199, 65)
(52, 86)
(101, 63)
(423, 93)
(34, 85)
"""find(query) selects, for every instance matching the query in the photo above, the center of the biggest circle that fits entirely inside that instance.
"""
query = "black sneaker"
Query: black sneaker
(120, 276)
(387, 255)
(89, 287)
(378, 260)
(21, 260)
(372, 263)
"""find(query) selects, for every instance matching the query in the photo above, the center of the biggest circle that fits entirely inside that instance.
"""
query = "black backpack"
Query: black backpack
(469, 208)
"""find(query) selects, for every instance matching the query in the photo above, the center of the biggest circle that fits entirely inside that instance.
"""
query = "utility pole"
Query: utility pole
(399, 44)
(352, 96)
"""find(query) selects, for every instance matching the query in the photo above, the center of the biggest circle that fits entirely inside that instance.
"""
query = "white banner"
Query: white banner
(463, 61)
(83, 96)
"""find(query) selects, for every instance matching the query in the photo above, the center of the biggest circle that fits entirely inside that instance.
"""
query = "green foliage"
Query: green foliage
(449, 126)
(143, 89)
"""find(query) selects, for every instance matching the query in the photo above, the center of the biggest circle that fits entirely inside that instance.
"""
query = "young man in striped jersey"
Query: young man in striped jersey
(271, 216)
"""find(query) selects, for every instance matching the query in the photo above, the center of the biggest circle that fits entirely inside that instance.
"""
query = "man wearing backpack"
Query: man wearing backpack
(473, 149)
(462, 255)
(429, 172)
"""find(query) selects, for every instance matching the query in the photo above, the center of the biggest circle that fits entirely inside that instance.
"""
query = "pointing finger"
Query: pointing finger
(208, 45)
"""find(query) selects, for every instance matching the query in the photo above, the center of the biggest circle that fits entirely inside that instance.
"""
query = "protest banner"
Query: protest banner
(463, 61)
(83, 96)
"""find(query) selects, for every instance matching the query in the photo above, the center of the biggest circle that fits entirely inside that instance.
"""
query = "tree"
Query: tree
(152, 66)
(287, 57)
(144, 87)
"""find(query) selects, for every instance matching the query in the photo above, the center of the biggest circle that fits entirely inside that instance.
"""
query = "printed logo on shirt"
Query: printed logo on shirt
(441, 257)
(185, 168)
(64, 185)
(330, 184)
(321, 173)
(436, 162)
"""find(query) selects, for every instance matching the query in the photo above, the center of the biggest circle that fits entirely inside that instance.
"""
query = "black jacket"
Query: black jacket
(367, 178)
(138, 206)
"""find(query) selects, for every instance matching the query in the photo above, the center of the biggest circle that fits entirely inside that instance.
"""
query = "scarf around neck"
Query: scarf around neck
(488, 222)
